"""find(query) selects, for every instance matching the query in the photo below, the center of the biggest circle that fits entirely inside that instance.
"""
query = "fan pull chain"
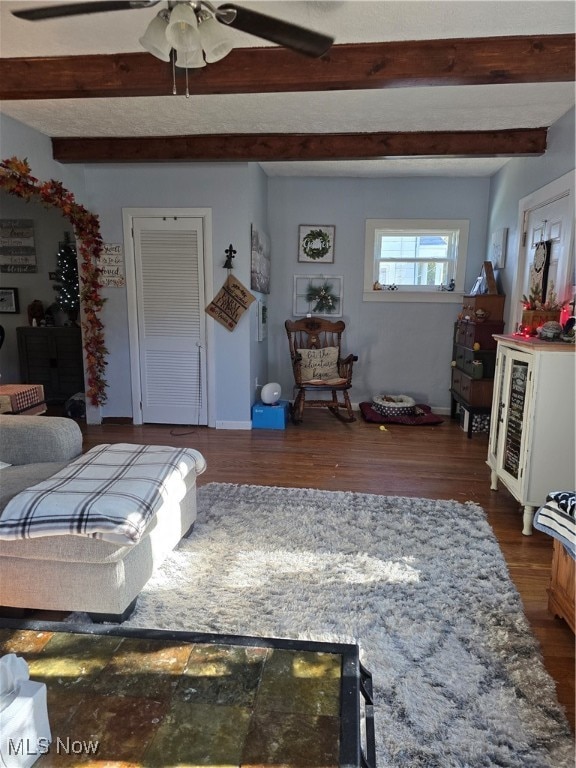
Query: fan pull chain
(173, 54)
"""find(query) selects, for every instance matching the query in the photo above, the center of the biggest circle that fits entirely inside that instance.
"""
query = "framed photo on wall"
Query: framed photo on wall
(317, 295)
(316, 243)
(9, 301)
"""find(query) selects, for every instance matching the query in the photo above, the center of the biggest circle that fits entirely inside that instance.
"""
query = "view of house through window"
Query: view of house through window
(413, 255)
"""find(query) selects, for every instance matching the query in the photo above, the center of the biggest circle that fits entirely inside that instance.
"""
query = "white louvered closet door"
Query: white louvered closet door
(171, 320)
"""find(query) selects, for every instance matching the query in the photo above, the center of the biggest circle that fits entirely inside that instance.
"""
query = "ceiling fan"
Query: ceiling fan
(185, 24)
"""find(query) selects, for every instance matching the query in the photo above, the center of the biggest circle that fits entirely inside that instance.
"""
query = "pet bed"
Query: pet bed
(394, 405)
(422, 415)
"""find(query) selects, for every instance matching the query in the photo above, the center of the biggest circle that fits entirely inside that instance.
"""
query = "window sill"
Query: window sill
(423, 297)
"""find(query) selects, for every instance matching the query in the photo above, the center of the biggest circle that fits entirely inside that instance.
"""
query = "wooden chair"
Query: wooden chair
(315, 350)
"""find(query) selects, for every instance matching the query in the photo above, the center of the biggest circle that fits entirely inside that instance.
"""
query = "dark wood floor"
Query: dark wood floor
(433, 462)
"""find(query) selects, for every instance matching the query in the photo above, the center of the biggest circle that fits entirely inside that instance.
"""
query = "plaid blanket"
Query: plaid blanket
(111, 493)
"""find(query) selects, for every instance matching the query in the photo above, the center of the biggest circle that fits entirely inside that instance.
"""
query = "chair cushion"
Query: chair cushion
(319, 363)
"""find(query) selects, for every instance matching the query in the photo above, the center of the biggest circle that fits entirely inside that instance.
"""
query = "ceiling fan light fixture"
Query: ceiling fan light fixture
(182, 30)
(215, 40)
(190, 59)
(154, 39)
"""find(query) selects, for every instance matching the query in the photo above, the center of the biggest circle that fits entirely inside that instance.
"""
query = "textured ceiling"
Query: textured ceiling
(396, 109)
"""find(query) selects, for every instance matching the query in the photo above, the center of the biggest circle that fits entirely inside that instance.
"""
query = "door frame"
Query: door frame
(563, 186)
(128, 215)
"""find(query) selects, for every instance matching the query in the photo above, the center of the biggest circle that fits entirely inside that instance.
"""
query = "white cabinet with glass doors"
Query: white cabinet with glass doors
(532, 431)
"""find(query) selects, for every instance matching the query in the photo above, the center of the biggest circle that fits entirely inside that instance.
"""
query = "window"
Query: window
(414, 260)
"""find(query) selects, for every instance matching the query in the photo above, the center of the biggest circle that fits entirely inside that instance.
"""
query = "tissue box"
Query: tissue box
(270, 416)
(24, 728)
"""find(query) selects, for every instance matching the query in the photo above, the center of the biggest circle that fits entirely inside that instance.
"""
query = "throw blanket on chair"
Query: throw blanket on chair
(111, 493)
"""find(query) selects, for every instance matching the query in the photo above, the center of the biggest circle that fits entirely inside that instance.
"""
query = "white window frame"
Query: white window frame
(433, 294)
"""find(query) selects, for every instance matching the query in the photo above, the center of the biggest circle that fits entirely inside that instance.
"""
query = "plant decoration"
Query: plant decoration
(15, 178)
(322, 297)
(533, 301)
(316, 244)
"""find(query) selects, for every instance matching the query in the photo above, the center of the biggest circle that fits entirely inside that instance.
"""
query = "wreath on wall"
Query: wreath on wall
(322, 297)
(316, 244)
(15, 178)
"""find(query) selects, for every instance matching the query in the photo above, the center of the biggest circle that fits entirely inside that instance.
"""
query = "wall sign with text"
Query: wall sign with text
(111, 263)
(17, 246)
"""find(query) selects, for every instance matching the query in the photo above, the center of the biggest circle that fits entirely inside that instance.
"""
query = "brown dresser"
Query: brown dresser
(474, 358)
(52, 357)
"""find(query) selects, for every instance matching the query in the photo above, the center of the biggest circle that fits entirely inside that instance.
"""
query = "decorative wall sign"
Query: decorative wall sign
(17, 247)
(230, 303)
(260, 261)
(316, 243)
(498, 248)
(111, 264)
(317, 295)
(9, 301)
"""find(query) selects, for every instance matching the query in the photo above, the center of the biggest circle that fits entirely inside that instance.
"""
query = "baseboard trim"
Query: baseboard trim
(233, 425)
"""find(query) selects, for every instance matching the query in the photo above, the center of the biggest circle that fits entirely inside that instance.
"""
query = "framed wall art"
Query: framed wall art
(260, 260)
(9, 301)
(498, 247)
(316, 243)
(317, 295)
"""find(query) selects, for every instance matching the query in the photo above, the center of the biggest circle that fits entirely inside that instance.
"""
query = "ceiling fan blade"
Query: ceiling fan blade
(77, 9)
(283, 33)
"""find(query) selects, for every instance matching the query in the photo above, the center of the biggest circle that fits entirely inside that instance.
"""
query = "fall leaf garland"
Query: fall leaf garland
(15, 178)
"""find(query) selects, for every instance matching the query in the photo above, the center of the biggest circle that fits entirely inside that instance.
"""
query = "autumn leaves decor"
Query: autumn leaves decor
(15, 179)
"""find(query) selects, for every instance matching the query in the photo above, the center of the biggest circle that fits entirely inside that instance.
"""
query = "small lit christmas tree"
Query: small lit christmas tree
(67, 287)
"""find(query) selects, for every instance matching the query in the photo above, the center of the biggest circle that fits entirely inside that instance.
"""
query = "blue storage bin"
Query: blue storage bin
(270, 416)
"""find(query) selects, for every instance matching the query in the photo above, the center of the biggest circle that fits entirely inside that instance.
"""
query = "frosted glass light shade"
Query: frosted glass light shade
(154, 39)
(191, 60)
(271, 393)
(182, 29)
(215, 39)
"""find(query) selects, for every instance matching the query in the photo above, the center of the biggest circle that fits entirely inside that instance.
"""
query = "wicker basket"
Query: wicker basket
(394, 405)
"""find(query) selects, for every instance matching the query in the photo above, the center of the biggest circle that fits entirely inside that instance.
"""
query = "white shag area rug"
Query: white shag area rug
(420, 585)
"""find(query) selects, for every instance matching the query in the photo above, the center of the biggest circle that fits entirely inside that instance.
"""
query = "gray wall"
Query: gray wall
(259, 217)
(234, 193)
(18, 140)
(403, 348)
(519, 178)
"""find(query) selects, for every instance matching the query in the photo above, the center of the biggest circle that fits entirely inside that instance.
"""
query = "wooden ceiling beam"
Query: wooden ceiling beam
(470, 61)
(289, 146)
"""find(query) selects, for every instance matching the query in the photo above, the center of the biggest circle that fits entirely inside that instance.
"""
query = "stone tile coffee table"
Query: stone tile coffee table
(125, 697)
